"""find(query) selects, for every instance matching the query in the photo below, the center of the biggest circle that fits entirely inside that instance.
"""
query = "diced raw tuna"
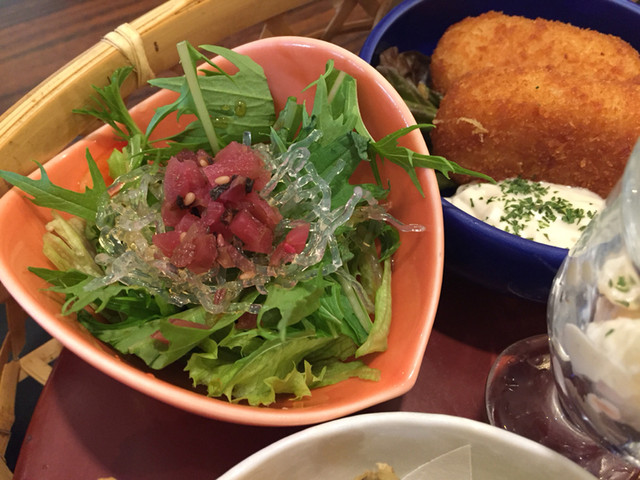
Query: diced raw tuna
(215, 206)
(212, 214)
(196, 251)
(157, 335)
(230, 257)
(182, 178)
(167, 242)
(235, 196)
(185, 187)
(247, 321)
(186, 221)
(261, 209)
(293, 243)
(255, 235)
(171, 213)
(201, 157)
(296, 239)
(205, 253)
(238, 159)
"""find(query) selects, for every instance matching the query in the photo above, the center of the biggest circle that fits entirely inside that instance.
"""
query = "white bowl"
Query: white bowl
(345, 448)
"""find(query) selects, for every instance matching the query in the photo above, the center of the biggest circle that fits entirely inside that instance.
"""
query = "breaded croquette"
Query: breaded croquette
(497, 40)
(540, 125)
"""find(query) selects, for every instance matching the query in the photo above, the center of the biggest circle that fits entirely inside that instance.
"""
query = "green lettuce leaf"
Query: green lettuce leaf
(284, 306)
(377, 339)
(141, 337)
(273, 368)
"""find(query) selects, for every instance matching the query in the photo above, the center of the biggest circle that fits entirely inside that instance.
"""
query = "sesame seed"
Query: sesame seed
(189, 198)
(222, 180)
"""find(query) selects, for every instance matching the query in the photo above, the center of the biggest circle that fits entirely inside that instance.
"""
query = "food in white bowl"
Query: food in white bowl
(406, 441)
(453, 465)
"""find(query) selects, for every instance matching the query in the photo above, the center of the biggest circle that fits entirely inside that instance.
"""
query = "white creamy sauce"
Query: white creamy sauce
(543, 212)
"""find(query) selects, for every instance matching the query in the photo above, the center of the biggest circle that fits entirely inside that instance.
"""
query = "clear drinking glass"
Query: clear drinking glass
(577, 390)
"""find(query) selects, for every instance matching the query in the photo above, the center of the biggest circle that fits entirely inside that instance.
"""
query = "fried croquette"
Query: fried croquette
(497, 40)
(540, 125)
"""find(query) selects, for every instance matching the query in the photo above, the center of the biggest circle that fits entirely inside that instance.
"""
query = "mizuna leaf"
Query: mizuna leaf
(388, 148)
(46, 194)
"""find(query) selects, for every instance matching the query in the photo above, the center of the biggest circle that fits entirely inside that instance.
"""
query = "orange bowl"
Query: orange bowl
(290, 64)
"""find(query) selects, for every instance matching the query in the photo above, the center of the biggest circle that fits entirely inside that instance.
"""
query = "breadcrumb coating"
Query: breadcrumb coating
(494, 39)
(541, 125)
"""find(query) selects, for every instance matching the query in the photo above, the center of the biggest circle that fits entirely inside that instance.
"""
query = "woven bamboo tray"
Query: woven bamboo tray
(45, 125)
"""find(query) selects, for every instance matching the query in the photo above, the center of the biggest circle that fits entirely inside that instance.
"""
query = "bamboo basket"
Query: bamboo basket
(45, 125)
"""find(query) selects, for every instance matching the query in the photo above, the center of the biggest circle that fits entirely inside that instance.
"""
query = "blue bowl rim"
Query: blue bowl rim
(368, 49)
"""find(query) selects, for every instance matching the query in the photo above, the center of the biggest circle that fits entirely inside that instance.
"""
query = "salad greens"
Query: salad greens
(409, 73)
(248, 335)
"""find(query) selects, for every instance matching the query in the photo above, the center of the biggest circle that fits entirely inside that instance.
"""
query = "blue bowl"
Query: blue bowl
(473, 249)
